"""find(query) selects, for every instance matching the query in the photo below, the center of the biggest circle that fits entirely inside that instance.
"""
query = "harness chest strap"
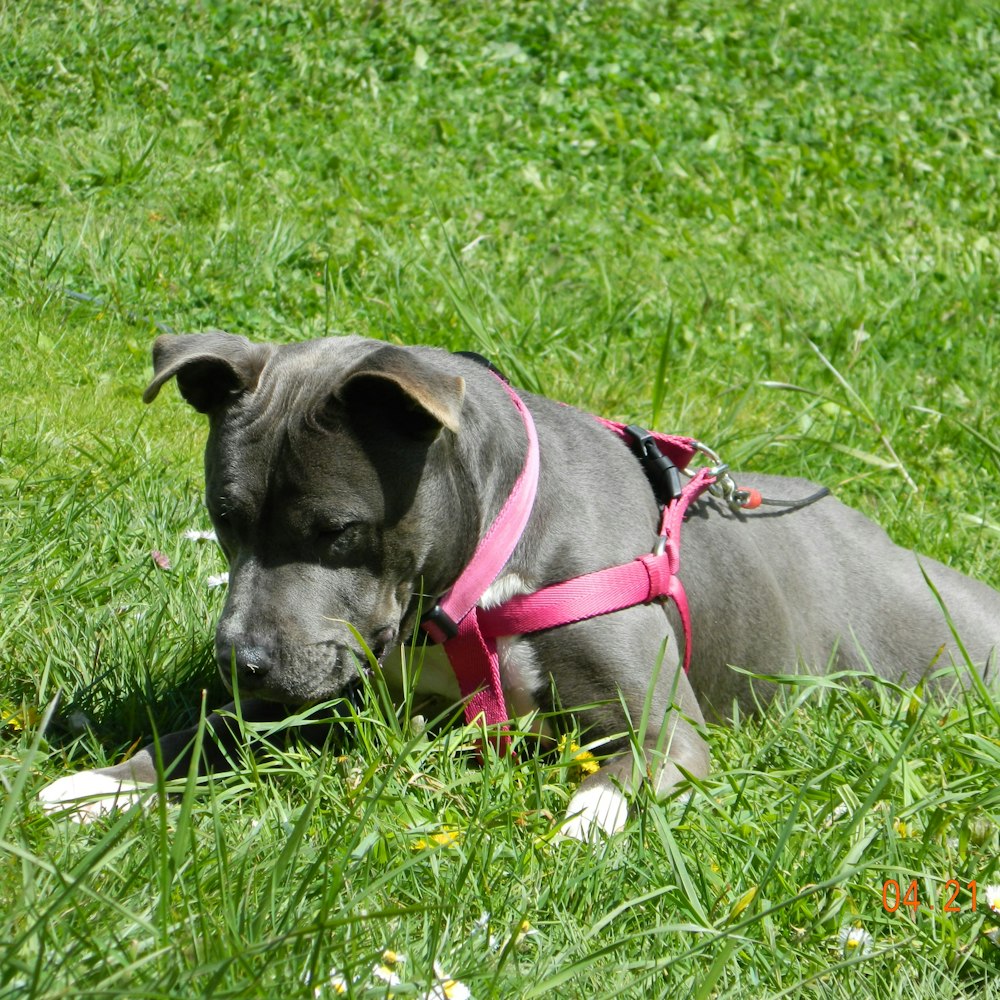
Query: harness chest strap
(650, 577)
(442, 622)
(469, 633)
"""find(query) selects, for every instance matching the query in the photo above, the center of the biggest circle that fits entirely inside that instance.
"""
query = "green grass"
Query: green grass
(773, 226)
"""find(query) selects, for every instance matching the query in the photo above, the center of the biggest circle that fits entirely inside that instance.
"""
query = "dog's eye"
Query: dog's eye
(329, 534)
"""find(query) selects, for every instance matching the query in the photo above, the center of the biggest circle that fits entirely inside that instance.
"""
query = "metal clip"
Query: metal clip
(724, 487)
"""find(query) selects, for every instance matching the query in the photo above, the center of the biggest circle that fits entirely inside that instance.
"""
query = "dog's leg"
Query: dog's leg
(600, 804)
(663, 713)
(86, 795)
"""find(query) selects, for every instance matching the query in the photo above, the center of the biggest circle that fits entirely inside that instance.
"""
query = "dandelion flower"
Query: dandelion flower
(448, 836)
(854, 940)
(586, 762)
(583, 761)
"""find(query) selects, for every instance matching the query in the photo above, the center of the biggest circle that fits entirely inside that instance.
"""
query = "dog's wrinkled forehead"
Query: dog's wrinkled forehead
(297, 384)
(344, 416)
(215, 370)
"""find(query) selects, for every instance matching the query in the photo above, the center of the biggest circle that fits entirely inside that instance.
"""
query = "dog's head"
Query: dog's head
(331, 482)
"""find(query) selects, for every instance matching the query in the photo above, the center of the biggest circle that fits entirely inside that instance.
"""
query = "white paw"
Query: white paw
(600, 809)
(86, 795)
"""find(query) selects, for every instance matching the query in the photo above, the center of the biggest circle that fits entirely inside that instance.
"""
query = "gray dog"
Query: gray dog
(349, 480)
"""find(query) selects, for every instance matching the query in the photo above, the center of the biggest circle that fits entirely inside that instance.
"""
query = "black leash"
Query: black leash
(665, 477)
(823, 491)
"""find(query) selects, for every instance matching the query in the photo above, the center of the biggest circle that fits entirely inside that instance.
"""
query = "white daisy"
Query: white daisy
(194, 535)
(334, 981)
(386, 971)
(386, 974)
(523, 931)
(855, 941)
(338, 983)
(447, 988)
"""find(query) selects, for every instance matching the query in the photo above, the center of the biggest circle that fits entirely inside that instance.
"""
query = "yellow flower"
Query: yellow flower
(584, 762)
(448, 836)
(15, 720)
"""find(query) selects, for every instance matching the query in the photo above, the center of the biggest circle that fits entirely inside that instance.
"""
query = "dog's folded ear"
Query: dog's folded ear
(211, 368)
(400, 385)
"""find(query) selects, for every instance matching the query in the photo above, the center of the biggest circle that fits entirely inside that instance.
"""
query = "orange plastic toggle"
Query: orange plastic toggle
(753, 501)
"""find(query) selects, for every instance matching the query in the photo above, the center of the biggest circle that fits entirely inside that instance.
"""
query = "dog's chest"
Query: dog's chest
(520, 673)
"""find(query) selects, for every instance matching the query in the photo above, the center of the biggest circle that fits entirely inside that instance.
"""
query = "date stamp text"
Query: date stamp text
(956, 897)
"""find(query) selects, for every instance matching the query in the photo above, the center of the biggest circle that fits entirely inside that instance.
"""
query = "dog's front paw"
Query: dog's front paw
(86, 795)
(599, 809)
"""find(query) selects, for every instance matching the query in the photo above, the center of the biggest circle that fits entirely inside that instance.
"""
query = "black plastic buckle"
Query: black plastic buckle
(662, 474)
(443, 622)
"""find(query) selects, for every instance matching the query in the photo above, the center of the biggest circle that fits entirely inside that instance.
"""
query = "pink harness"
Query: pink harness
(469, 633)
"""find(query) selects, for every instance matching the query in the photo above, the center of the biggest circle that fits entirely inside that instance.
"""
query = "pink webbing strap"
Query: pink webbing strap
(680, 450)
(496, 546)
(647, 578)
(476, 665)
(469, 633)
(474, 658)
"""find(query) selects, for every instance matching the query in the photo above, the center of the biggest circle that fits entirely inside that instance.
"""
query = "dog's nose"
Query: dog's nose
(253, 662)
(382, 641)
